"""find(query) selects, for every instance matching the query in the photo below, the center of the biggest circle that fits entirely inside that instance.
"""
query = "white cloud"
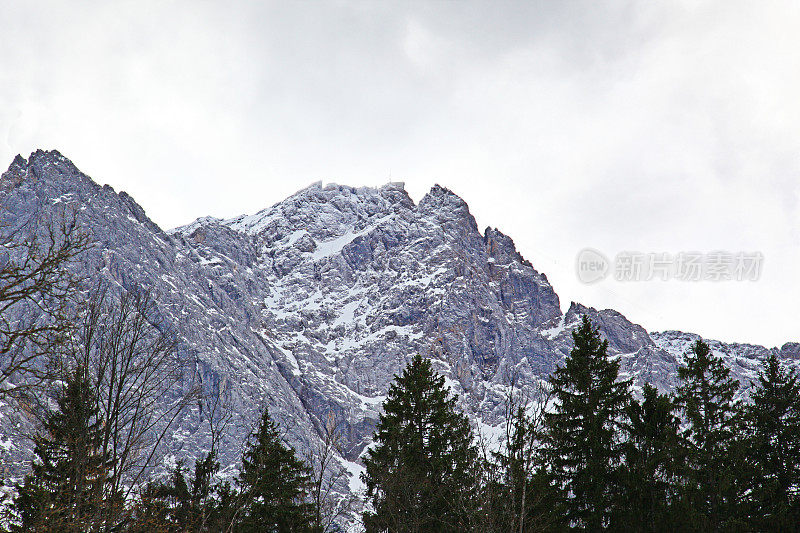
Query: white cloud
(658, 126)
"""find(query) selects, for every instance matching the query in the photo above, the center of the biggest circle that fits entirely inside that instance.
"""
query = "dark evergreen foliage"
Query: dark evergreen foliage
(598, 460)
(177, 505)
(517, 491)
(653, 468)
(535, 506)
(582, 440)
(716, 467)
(774, 423)
(66, 488)
(274, 485)
(422, 473)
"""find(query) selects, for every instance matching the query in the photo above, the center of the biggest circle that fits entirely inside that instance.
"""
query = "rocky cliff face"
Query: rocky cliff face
(310, 307)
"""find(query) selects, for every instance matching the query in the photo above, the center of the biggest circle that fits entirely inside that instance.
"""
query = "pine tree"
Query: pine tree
(582, 440)
(706, 397)
(422, 473)
(652, 470)
(274, 485)
(774, 422)
(65, 489)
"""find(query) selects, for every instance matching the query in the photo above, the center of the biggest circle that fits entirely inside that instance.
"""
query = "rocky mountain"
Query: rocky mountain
(311, 306)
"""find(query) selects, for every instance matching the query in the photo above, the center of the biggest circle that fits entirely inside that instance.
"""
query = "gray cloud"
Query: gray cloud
(652, 126)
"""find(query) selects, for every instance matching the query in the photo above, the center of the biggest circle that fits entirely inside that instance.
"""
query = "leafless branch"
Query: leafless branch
(135, 368)
(328, 473)
(37, 292)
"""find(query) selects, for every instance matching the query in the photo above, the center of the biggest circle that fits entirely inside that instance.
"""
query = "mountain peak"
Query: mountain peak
(327, 211)
(15, 174)
(47, 154)
(19, 161)
(51, 166)
(438, 191)
(448, 205)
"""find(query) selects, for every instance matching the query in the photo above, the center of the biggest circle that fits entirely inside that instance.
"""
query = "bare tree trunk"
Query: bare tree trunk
(327, 473)
(136, 372)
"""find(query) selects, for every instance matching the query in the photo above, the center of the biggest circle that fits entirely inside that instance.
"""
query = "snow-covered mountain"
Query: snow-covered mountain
(310, 307)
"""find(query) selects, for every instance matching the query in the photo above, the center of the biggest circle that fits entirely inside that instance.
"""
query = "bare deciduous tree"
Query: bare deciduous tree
(134, 365)
(507, 472)
(328, 473)
(36, 289)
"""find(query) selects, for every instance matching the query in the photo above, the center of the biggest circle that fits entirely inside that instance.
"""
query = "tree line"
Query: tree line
(72, 487)
(592, 456)
(585, 452)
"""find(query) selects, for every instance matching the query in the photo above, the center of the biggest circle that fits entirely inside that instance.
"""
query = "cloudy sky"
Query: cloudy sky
(620, 126)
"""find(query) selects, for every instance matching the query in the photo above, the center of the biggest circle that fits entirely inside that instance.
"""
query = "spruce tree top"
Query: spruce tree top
(420, 421)
(706, 394)
(274, 483)
(421, 474)
(581, 441)
(588, 368)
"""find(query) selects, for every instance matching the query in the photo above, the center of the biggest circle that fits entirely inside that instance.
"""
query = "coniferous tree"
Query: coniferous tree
(178, 505)
(774, 423)
(653, 468)
(421, 475)
(66, 488)
(581, 440)
(274, 485)
(715, 462)
(163, 506)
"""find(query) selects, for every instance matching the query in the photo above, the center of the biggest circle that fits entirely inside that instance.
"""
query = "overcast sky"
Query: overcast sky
(648, 126)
